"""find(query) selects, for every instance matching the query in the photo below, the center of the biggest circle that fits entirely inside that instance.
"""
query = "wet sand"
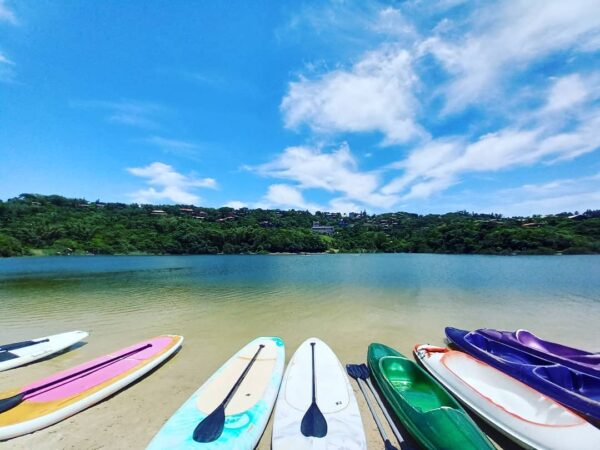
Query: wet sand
(119, 309)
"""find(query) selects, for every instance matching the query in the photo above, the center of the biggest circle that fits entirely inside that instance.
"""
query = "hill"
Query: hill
(40, 224)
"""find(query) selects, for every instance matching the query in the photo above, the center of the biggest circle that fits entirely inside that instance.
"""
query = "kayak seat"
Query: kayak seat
(506, 352)
(571, 380)
(412, 385)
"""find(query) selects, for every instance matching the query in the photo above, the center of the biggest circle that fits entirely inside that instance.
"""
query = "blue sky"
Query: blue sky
(417, 106)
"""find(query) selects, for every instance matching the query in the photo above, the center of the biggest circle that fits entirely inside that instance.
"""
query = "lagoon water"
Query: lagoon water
(220, 302)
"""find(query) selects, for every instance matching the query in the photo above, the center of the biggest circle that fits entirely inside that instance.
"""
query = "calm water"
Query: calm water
(220, 302)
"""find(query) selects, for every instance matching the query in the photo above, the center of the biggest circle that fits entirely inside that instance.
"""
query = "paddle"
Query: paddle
(354, 370)
(313, 423)
(211, 427)
(366, 375)
(10, 402)
(17, 345)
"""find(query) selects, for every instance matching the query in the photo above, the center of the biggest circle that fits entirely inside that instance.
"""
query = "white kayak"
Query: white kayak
(20, 353)
(513, 408)
(251, 399)
(334, 398)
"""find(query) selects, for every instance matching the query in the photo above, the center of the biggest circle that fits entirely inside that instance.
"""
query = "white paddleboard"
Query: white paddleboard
(20, 353)
(334, 397)
(248, 412)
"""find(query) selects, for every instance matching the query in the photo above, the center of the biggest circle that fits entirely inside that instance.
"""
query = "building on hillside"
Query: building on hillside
(158, 212)
(322, 229)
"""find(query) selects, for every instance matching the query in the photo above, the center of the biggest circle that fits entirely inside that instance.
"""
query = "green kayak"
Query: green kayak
(423, 406)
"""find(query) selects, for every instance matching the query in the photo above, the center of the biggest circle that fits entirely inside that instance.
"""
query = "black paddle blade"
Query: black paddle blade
(10, 402)
(388, 445)
(354, 370)
(313, 423)
(211, 428)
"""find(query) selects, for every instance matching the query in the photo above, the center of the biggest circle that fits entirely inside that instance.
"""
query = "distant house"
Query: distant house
(531, 225)
(322, 229)
(158, 212)
(186, 210)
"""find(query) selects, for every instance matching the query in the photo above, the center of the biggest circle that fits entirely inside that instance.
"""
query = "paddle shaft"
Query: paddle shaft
(87, 369)
(241, 378)
(385, 412)
(372, 409)
(314, 381)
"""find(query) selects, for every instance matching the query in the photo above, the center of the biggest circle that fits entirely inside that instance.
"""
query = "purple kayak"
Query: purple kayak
(580, 360)
(576, 390)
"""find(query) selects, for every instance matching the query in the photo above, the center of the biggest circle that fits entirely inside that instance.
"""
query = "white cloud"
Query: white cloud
(168, 184)
(376, 94)
(7, 14)
(286, 196)
(235, 204)
(566, 92)
(335, 172)
(505, 38)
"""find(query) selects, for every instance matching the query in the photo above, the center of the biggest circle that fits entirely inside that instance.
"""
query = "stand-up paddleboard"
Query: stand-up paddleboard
(55, 398)
(298, 423)
(25, 352)
(513, 408)
(245, 387)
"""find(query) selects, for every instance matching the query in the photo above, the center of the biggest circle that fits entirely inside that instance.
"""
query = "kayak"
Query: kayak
(59, 396)
(581, 360)
(334, 398)
(252, 377)
(574, 389)
(521, 413)
(427, 411)
(21, 353)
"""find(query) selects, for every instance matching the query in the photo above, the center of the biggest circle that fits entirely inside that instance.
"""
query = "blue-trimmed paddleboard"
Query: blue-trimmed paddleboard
(246, 415)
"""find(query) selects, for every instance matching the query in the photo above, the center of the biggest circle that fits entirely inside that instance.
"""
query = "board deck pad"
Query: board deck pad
(247, 413)
(335, 400)
(57, 402)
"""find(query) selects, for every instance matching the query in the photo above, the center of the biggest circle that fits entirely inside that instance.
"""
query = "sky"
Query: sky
(416, 105)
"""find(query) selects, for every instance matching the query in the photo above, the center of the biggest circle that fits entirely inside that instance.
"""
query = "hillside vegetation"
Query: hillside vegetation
(37, 224)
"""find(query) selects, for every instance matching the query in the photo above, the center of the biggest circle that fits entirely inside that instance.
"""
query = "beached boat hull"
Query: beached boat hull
(521, 413)
(51, 405)
(21, 353)
(431, 415)
(335, 399)
(576, 390)
(524, 340)
(247, 413)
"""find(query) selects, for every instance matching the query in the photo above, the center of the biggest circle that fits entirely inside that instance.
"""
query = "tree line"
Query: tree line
(52, 224)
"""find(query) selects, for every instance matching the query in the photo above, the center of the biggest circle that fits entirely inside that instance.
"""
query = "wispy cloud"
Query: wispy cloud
(561, 195)
(127, 112)
(505, 38)
(7, 73)
(174, 146)
(335, 172)
(6, 14)
(166, 184)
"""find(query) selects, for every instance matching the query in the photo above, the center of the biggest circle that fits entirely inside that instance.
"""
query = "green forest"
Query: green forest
(34, 224)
